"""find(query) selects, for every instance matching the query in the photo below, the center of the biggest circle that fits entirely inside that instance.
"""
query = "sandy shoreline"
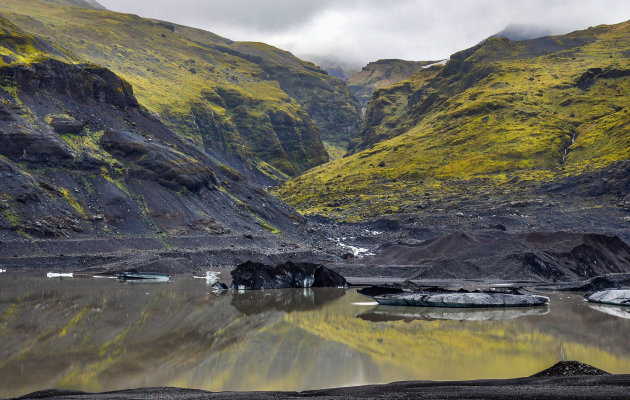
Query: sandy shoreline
(535, 387)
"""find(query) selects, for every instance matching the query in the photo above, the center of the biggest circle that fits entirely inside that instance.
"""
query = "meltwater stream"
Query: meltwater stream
(101, 335)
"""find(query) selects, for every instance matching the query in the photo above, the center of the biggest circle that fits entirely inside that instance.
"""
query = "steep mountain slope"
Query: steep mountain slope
(81, 162)
(248, 100)
(498, 117)
(381, 74)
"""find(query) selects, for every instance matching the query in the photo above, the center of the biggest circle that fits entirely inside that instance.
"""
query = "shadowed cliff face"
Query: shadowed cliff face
(80, 158)
(101, 334)
(255, 106)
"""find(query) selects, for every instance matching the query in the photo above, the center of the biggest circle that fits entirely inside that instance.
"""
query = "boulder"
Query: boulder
(618, 297)
(219, 286)
(253, 276)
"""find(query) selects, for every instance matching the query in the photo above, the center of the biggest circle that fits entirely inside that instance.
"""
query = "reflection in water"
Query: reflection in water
(617, 311)
(392, 313)
(251, 302)
(100, 334)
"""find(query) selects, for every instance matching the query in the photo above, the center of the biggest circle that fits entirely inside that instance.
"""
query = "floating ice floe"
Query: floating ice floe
(59, 275)
(616, 297)
(460, 299)
(2, 270)
(143, 277)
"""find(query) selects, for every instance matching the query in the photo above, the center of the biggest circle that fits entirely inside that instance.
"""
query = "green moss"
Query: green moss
(72, 323)
(334, 150)
(266, 225)
(65, 193)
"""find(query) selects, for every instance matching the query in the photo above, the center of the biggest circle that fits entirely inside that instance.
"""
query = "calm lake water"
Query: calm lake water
(101, 334)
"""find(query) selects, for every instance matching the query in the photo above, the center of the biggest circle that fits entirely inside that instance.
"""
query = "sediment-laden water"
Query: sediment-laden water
(101, 334)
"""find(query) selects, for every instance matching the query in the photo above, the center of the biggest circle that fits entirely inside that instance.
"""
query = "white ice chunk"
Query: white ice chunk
(59, 275)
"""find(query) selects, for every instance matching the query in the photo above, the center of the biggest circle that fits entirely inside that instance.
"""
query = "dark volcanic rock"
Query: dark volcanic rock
(69, 126)
(252, 276)
(24, 144)
(570, 368)
(380, 290)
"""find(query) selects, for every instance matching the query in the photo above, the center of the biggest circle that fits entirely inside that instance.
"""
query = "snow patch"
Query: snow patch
(358, 252)
(443, 62)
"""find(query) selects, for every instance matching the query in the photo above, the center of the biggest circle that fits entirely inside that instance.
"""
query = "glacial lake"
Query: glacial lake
(101, 335)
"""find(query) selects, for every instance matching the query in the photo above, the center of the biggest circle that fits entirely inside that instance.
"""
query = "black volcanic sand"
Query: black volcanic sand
(499, 255)
(565, 380)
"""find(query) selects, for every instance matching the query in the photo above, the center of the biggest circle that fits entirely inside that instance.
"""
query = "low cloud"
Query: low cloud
(359, 31)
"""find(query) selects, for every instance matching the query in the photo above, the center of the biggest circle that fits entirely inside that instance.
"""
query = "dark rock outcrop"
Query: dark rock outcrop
(81, 82)
(64, 125)
(25, 144)
(252, 276)
(570, 368)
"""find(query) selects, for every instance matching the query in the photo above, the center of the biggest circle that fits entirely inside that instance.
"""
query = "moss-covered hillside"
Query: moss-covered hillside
(381, 74)
(81, 159)
(248, 100)
(497, 114)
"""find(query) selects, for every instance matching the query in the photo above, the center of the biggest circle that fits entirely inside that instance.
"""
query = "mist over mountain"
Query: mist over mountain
(357, 32)
(524, 32)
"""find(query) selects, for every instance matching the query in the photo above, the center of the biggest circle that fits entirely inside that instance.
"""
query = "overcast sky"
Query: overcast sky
(359, 31)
